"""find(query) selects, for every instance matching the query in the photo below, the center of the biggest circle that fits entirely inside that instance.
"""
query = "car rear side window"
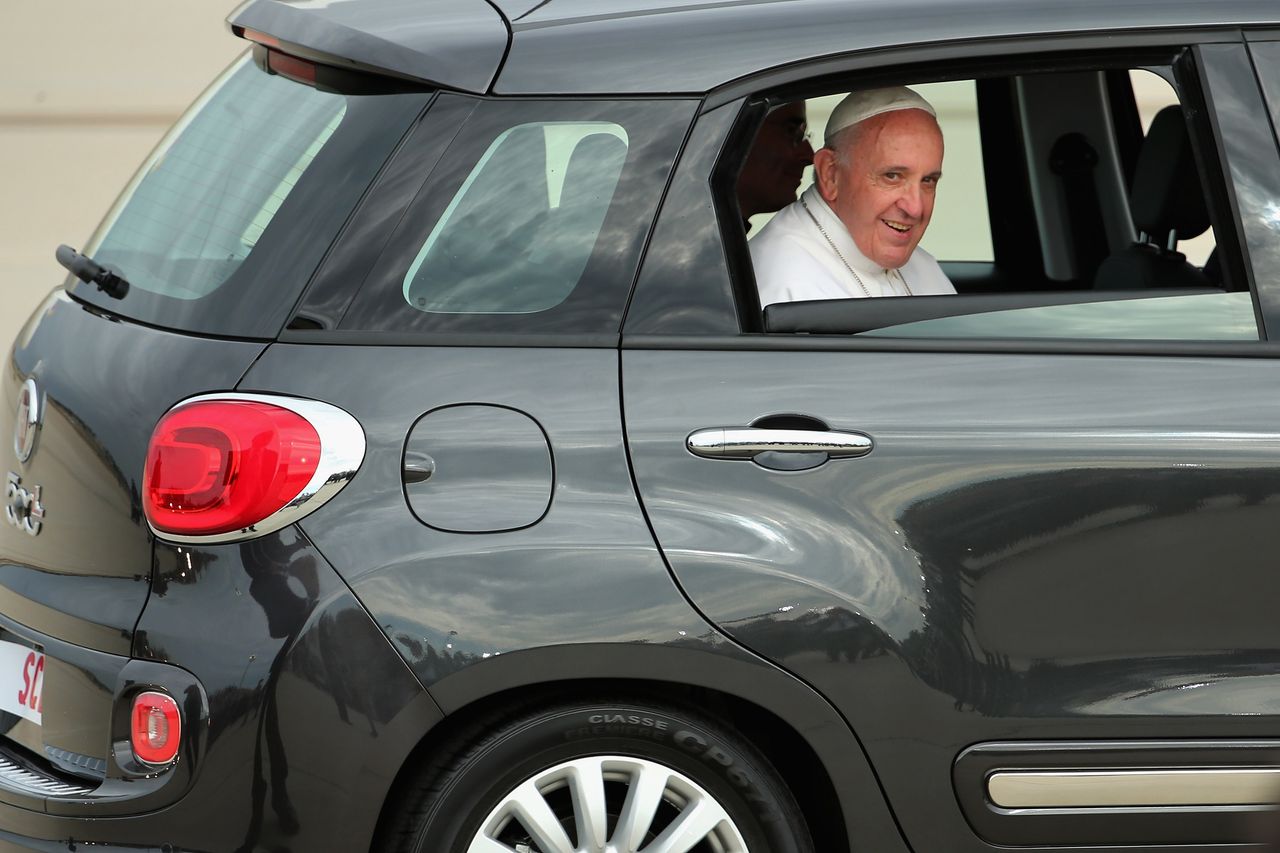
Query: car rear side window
(517, 236)
(220, 229)
(532, 222)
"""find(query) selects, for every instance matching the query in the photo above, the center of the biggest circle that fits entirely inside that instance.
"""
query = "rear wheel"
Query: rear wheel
(602, 778)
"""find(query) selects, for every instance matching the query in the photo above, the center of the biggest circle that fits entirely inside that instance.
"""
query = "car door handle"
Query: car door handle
(748, 442)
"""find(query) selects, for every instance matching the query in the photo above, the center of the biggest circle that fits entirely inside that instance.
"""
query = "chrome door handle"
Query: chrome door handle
(748, 442)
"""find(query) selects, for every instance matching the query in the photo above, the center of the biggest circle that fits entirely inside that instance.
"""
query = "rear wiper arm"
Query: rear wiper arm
(88, 270)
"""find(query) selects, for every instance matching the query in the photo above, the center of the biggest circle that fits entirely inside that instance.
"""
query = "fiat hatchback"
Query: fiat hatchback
(408, 463)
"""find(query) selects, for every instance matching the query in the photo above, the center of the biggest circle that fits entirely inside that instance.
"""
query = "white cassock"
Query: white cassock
(794, 261)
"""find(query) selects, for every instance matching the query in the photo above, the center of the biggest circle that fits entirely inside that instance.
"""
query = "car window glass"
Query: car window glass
(1152, 94)
(518, 234)
(1135, 228)
(207, 195)
(961, 226)
(1194, 317)
(222, 227)
(531, 222)
(272, 202)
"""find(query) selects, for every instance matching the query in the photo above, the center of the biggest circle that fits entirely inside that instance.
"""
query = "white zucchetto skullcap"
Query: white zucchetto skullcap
(860, 106)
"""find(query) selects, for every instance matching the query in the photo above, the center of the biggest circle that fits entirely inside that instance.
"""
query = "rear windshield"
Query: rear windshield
(223, 225)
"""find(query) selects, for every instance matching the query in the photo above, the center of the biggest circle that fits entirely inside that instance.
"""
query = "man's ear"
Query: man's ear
(825, 173)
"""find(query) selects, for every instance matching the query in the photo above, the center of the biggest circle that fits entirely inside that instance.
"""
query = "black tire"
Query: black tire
(445, 808)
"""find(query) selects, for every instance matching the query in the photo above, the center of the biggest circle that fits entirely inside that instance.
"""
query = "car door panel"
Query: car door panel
(1037, 547)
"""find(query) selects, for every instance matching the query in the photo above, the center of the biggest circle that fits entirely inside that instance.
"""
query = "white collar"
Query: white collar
(839, 235)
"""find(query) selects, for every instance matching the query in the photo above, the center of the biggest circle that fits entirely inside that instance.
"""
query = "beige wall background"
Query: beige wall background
(87, 88)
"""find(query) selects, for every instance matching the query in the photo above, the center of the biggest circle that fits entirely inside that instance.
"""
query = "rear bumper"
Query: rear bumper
(297, 713)
(78, 759)
(87, 695)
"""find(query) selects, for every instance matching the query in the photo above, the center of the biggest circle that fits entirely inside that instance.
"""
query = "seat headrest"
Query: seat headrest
(1166, 194)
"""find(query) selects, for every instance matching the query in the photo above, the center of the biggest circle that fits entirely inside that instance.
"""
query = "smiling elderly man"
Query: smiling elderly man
(856, 231)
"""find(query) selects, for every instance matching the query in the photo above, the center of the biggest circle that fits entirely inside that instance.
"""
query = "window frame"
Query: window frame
(969, 61)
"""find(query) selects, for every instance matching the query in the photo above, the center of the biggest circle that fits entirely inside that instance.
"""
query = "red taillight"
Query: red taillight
(218, 466)
(156, 728)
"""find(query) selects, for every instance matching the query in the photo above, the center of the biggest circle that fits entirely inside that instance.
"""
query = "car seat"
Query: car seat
(1168, 205)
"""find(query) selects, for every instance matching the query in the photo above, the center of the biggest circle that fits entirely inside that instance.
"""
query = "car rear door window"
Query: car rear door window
(1108, 190)
(1081, 201)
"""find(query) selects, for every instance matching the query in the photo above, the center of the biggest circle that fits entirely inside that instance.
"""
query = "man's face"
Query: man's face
(773, 170)
(884, 189)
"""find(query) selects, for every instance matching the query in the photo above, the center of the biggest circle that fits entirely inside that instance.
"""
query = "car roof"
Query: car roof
(668, 46)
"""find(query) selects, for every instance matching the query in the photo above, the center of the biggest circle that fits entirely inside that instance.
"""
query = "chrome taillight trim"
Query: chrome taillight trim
(342, 449)
(16, 777)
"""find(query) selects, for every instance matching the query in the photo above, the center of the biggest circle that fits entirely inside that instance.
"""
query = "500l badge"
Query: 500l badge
(22, 507)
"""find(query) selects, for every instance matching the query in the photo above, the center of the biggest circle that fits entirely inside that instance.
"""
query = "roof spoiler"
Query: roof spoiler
(452, 44)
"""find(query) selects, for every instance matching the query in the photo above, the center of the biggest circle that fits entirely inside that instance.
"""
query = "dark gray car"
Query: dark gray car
(408, 463)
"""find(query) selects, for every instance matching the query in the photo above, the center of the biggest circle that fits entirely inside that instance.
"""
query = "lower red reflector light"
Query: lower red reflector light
(156, 728)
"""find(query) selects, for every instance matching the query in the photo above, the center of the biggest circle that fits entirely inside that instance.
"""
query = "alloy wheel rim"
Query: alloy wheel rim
(608, 804)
